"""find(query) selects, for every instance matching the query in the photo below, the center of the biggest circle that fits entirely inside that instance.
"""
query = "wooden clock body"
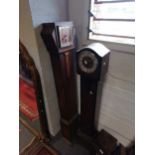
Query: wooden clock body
(90, 62)
(63, 62)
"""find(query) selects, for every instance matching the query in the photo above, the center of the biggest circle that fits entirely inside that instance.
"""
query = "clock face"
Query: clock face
(88, 61)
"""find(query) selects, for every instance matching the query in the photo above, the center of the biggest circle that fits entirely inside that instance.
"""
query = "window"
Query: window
(112, 20)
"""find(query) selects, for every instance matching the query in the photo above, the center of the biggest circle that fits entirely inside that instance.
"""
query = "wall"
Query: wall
(32, 14)
(48, 11)
(26, 32)
(44, 11)
(115, 102)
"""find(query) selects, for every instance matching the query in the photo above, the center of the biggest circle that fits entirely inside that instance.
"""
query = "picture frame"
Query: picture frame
(65, 35)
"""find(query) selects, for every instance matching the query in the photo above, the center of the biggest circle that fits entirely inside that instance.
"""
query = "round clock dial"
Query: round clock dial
(88, 62)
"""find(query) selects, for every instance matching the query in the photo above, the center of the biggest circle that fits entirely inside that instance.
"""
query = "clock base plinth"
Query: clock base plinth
(69, 127)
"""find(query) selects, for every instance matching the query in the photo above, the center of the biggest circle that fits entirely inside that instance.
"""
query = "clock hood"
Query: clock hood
(98, 48)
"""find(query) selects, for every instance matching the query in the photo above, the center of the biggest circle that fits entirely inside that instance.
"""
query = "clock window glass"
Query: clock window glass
(88, 61)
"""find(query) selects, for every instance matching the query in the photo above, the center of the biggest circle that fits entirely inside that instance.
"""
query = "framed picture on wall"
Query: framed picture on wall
(65, 34)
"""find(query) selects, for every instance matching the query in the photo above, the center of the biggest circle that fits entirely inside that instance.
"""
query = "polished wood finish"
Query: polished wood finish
(88, 99)
(101, 143)
(30, 65)
(88, 94)
(63, 63)
(106, 143)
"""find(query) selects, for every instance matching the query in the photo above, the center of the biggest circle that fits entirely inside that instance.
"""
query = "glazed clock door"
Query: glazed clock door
(88, 62)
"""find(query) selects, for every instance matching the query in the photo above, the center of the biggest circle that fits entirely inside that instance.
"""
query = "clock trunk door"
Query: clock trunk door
(68, 76)
(88, 96)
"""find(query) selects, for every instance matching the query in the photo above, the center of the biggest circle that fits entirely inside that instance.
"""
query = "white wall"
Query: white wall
(26, 32)
(44, 11)
(48, 11)
(115, 103)
(32, 14)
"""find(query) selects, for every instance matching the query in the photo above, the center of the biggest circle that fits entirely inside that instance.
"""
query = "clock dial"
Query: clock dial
(88, 62)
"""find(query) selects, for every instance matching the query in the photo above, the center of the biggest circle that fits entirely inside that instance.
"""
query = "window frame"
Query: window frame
(117, 36)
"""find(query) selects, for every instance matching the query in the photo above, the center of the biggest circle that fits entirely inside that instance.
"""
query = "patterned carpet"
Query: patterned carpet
(36, 147)
(24, 137)
(58, 142)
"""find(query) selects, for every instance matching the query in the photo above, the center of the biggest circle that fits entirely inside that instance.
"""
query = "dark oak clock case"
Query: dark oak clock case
(89, 81)
(63, 63)
(92, 61)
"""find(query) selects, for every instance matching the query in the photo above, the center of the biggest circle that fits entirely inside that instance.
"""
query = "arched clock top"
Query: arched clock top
(90, 60)
(98, 48)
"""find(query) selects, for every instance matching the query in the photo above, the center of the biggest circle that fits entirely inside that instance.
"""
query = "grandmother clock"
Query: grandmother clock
(90, 61)
(59, 41)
